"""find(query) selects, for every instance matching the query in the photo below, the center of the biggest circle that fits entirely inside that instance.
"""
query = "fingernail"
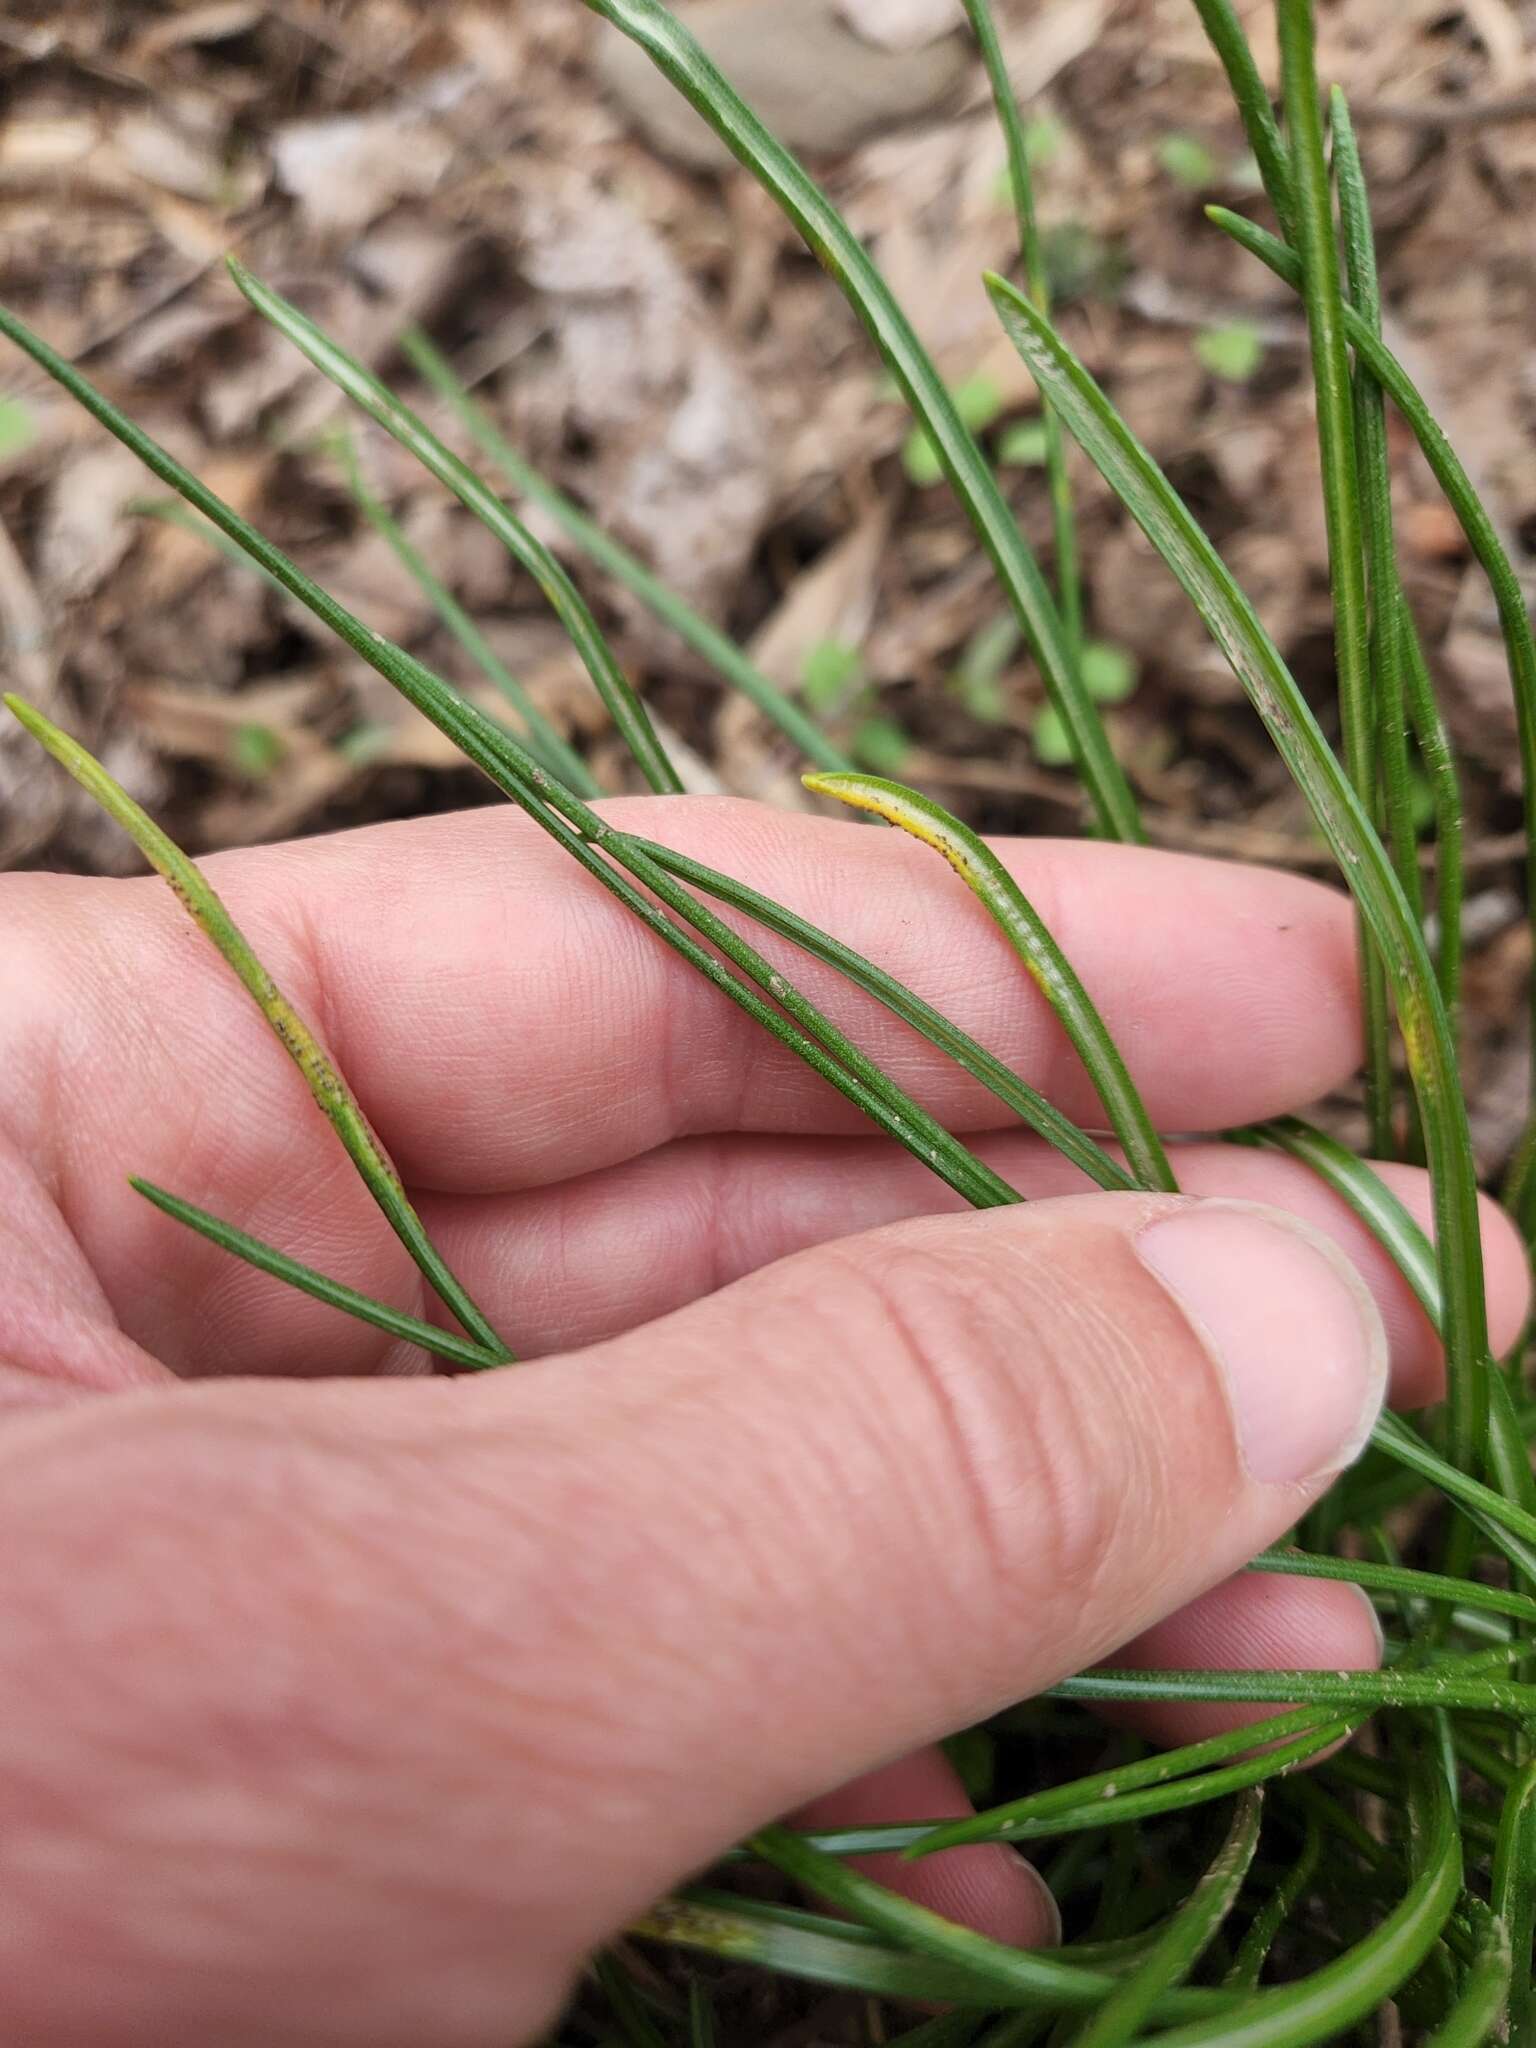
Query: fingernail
(1292, 1326)
(1374, 1617)
(1048, 1905)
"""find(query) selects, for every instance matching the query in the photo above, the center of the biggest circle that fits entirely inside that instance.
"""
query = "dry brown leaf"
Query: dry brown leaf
(84, 534)
(901, 24)
(347, 169)
(637, 365)
(34, 148)
(834, 599)
(198, 724)
(213, 23)
(797, 63)
(165, 154)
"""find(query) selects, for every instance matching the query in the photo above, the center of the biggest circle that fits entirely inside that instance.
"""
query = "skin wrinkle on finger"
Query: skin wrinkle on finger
(1261, 1621)
(422, 1005)
(484, 1568)
(596, 1255)
(122, 1005)
(599, 1254)
(355, 1507)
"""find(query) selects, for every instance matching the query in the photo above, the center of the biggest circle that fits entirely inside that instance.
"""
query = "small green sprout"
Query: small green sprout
(18, 427)
(881, 745)
(977, 676)
(1188, 162)
(1232, 352)
(1024, 446)
(978, 400)
(1109, 674)
(832, 671)
(254, 751)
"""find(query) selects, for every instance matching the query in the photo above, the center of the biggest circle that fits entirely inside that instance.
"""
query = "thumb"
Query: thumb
(434, 1684)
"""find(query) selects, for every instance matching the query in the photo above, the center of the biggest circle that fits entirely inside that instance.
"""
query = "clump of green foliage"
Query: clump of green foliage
(1264, 1914)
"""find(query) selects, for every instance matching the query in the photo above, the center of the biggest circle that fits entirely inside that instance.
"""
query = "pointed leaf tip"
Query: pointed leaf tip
(28, 715)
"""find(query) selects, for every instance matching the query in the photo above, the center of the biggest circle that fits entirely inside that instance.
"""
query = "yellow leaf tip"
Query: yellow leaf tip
(27, 714)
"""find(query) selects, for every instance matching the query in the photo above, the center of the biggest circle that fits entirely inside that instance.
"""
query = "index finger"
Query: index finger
(505, 1022)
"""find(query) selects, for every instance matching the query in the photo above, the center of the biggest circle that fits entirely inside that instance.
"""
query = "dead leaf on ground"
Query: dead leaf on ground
(797, 63)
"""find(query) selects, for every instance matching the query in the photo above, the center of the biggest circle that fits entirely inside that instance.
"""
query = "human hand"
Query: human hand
(347, 1707)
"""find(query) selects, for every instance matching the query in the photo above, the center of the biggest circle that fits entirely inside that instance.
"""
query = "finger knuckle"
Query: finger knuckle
(983, 1370)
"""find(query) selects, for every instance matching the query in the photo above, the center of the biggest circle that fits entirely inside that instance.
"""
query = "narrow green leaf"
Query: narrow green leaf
(1187, 1936)
(635, 2024)
(984, 874)
(443, 1343)
(1482, 538)
(1441, 1687)
(706, 640)
(1069, 594)
(1356, 1183)
(1439, 761)
(1226, 36)
(1323, 298)
(1485, 1989)
(1117, 1782)
(1118, 1808)
(1042, 1117)
(1514, 1899)
(1483, 1504)
(327, 1087)
(364, 389)
(1325, 2005)
(1388, 655)
(1390, 1578)
(701, 2016)
(540, 736)
(1255, 660)
(827, 1951)
(677, 55)
(1277, 1908)
(996, 1973)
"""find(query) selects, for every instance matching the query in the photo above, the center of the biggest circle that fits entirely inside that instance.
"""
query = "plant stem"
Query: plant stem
(1324, 302)
(1069, 593)
(706, 640)
(677, 54)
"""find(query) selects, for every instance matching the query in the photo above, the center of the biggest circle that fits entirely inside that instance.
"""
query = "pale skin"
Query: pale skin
(350, 1706)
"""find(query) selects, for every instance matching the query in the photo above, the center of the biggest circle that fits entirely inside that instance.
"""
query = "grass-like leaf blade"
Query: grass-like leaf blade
(718, 649)
(1186, 1937)
(1478, 2013)
(1037, 281)
(1256, 661)
(629, 715)
(1042, 1117)
(1322, 295)
(1048, 967)
(1482, 538)
(1514, 1898)
(1000, 1973)
(1327, 2004)
(677, 54)
(320, 1286)
(540, 737)
(325, 1084)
